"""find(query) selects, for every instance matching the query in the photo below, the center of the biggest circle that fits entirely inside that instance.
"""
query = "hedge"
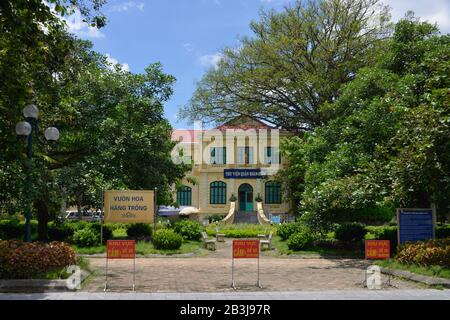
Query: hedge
(426, 253)
(22, 260)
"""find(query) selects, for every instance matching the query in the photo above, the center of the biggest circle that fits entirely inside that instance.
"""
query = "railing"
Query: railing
(230, 216)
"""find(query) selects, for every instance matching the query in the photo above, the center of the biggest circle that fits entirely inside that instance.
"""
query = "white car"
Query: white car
(86, 215)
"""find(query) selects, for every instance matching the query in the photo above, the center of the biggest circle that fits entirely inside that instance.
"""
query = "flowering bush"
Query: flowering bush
(22, 260)
(428, 253)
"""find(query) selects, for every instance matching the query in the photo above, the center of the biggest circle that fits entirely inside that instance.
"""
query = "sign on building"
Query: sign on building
(129, 206)
(378, 249)
(415, 225)
(242, 174)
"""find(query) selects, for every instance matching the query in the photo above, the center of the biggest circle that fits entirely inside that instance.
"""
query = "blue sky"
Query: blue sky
(186, 36)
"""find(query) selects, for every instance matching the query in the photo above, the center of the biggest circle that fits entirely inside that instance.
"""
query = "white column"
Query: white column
(204, 189)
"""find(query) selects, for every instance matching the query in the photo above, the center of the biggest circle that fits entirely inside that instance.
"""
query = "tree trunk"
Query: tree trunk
(43, 218)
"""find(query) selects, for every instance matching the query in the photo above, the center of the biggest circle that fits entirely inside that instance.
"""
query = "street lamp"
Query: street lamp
(25, 129)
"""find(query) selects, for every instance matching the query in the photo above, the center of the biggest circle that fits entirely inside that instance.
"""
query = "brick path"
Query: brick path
(212, 273)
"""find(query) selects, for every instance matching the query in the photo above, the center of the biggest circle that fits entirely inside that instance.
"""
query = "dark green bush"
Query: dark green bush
(215, 218)
(350, 232)
(300, 241)
(139, 230)
(167, 239)
(189, 229)
(443, 231)
(22, 260)
(285, 230)
(59, 232)
(11, 229)
(86, 237)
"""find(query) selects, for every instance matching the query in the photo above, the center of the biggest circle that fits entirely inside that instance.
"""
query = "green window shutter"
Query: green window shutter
(217, 192)
(184, 196)
(272, 192)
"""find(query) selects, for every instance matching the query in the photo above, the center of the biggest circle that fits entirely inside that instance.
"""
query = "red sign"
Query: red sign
(245, 249)
(120, 249)
(378, 249)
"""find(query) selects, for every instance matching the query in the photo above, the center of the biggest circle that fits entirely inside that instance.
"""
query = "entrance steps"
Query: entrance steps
(246, 217)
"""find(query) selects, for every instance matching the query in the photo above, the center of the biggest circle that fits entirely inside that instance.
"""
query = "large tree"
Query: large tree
(386, 144)
(113, 133)
(296, 61)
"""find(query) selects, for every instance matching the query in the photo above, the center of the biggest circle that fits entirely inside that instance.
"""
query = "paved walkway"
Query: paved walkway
(212, 273)
(287, 295)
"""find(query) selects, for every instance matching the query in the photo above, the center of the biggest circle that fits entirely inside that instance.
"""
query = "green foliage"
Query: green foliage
(167, 239)
(350, 232)
(300, 241)
(21, 260)
(15, 229)
(384, 143)
(285, 230)
(443, 231)
(240, 230)
(215, 218)
(139, 230)
(296, 61)
(428, 253)
(189, 229)
(86, 237)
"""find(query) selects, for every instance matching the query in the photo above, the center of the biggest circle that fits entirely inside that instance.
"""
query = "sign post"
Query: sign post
(376, 249)
(129, 206)
(120, 249)
(245, 249)
(415, 225)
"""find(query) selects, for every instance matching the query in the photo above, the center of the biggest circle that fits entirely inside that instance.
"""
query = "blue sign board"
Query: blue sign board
(276, 219)
(242, 173)
(415, 225)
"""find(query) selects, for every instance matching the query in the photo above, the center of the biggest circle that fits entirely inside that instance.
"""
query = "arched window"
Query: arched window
(217, 192)
(184, 196)
(273, 192)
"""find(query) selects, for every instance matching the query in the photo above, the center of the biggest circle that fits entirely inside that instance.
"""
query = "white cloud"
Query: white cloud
(127, 6)
(76, 25)
(189, 47)
(113, 61)
(210, 60)
(433, 11)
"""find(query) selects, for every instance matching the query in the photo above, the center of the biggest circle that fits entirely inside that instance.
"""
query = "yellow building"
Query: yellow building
(236, 161)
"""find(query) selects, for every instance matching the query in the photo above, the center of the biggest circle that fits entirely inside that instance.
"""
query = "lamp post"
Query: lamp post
(25, 129)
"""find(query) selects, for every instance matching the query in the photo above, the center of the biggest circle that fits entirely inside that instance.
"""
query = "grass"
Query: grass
(144, 248)
(434, 271)
(282, 248)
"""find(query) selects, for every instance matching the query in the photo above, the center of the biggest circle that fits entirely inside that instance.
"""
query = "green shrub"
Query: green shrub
(167, 239)
(300, 241)
(189, 229)
(86, 237)
(22, 260)
(139, 230)
(239, 230)
(215, 218)
(350, 232)
(443, 231)
(384, 233)
(59, 232)
(285, 230)
(11, 229)
(426, 253)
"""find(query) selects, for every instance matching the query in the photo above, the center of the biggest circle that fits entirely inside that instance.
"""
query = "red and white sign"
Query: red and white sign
(378, 249)
(245, 249)
(120, 249)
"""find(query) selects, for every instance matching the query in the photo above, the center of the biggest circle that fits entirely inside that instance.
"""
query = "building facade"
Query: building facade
(236, 161)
